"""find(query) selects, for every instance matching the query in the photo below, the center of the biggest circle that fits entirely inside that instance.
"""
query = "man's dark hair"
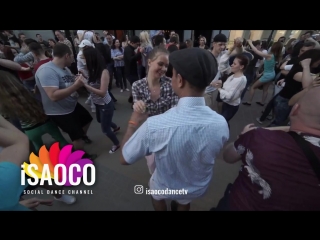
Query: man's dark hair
(174, 40)
(158, 39)
(29, 41)
(309, 44)
(60, 50)
(36, 48)
(134, 39)
(310, 32)
(20, 34)
(182, 45)
(37, 34)
(256, 43)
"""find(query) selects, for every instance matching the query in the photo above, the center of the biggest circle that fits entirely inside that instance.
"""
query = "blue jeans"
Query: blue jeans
(104, 115)
(281, 110)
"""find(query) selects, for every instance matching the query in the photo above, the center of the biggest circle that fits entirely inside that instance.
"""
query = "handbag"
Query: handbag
(311, 156)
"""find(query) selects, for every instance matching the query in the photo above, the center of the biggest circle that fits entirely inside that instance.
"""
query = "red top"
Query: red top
(23, 75)
(276, 175)
(36, 66)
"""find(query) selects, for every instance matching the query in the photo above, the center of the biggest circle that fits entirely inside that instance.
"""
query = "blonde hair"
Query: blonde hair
(145, 39)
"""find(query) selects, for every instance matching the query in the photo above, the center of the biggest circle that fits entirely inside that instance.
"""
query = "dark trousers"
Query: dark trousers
(228, 111)
(121, 77)
(110, 69)
(223, 204)
(268, 109)
(250, 74)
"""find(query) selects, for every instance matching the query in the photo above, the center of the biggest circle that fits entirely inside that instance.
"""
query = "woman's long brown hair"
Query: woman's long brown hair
(17, 102)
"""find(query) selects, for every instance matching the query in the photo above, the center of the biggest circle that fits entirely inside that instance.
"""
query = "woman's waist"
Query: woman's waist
(26, 126)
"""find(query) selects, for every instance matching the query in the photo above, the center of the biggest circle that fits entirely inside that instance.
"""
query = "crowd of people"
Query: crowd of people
(182, 98)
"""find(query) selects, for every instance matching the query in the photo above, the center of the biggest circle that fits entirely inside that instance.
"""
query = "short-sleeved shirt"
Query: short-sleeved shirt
(10, 187)
(50, 75)
(278, 180)
(185, 140)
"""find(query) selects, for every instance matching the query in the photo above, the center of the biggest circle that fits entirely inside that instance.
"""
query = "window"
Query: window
(256, 35)
(280, 33)
(233, 35)
(295, 34)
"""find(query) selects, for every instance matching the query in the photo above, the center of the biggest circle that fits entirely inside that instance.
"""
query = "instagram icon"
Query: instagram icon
(138, 189)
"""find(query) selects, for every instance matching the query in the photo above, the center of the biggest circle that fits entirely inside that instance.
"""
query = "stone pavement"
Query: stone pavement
(114, 187)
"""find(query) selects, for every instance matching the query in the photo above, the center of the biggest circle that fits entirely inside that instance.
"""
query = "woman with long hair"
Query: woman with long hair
(230, 94)
(97, 85)
(203, 42)
(153, 94)
(145, 49)
(271, 59)
(19, 103)
(117, 56)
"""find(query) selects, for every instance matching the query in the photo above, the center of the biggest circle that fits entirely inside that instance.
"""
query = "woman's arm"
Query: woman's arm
(234, 91)
(103, 86)
(12, 65)
(265, 55)
(296, 97)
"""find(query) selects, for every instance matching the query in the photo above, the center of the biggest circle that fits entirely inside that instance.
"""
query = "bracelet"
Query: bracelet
(133, 123)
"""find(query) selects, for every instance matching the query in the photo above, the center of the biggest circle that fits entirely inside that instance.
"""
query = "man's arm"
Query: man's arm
(49, 80)
(135, 143)
(22, 58)
(230, 154)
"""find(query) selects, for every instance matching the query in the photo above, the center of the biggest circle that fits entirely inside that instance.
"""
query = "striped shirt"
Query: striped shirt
(98, 99)
(185, 140)
(115, 53)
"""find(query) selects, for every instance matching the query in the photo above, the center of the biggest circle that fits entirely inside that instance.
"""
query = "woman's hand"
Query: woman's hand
(217, 84)
(249, 41)
(139, 106)
(24, 69)
(306, 62)
(35, 202)
(315, 83)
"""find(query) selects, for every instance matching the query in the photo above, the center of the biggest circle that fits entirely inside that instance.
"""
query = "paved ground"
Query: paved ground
(114, 187)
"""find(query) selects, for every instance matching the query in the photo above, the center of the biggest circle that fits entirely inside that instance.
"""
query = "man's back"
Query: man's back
(186, 141)
(276, 174)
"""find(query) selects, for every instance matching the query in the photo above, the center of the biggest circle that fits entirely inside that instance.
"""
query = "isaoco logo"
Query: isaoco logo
(63, 166)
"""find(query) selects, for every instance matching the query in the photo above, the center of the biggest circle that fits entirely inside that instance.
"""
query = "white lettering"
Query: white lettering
(23, 176)
(63, 174)
(85, 174)
(78, 180)
(33, 175)
(46, 176)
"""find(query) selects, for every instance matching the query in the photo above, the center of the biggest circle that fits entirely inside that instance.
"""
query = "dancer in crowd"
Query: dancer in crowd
(58, 89)
(18, 102)
(97, 85)
(117, 56)
(261, 184)
(154, 94)
(271, 58)
(145, 48)
(179, 138)
(230, 94)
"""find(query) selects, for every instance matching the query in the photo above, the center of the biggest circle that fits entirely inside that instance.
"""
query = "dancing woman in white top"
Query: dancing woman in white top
(230, 94)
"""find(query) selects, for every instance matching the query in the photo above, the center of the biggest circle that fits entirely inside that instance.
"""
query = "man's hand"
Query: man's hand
(279, 83)
(35, 202)
(138, 117)
(248, 128)
(306, 62)
(79, 80)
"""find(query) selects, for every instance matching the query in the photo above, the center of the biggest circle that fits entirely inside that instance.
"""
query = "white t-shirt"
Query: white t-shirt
(87, 36)
(260, 61)
(232, 89)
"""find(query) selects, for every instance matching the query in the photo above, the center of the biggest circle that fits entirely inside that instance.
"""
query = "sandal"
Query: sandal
(259, 103)
(246, 103)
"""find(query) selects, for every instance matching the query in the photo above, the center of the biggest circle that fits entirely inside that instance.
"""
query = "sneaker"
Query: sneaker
(88, 101)
(121, 90)
(67, 199)
(93, 110)
(90, 156)
(116, 130)
(87, 140)
(259, 121)
(114, 149)
(270, 117)
(127, 90)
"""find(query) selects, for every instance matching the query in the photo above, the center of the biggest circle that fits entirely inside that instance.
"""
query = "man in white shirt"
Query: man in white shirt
(219, 45)
(185, 140)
